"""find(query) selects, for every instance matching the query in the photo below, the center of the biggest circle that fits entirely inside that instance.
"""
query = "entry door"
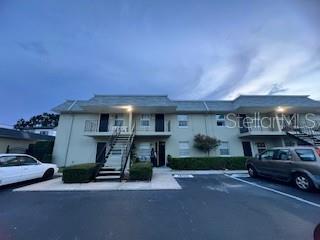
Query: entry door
(243, 124)
(104, 121)
(159, 123)
(162, 154)
(247, 149)
(101, 152)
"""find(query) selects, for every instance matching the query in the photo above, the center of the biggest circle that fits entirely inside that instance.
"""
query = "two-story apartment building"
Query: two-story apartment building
(245, 126)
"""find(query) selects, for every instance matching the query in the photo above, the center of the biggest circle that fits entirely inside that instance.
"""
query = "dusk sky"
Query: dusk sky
(57, 50)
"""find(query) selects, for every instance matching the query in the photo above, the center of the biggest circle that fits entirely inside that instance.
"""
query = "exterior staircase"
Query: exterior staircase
(116, 158)
(304, 134)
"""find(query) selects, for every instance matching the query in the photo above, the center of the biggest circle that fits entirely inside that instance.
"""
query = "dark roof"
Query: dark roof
(274, 100)
(17, 134)
(243, 101)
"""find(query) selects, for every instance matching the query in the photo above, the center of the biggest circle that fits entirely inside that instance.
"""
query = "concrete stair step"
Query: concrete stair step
(107, 178)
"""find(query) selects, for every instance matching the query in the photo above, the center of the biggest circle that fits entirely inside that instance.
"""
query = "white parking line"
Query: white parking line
(275, 191)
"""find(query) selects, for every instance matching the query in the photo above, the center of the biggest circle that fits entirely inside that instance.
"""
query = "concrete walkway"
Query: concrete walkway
(160, 181)
(166, 170)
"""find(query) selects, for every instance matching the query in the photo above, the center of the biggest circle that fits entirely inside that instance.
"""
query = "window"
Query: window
(221, 121)
(306, 154)
(261, 146)
(90, 125)
(27, 161)
(182, 121)
(184, 150)
(224, 148)
(145, 120)
(118, 120)
(267, 155)
(9, 161)
(44, 132)
(282, 154)
(144, 151)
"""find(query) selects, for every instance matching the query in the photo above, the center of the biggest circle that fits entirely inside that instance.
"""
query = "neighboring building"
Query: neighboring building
(169, 126)
(42, 131)
(16, 141)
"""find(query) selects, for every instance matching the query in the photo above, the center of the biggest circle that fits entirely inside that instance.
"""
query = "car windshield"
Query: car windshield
(306, 154)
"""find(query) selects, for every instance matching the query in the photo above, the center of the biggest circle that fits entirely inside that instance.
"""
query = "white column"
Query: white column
(130, 121)
(278, 122)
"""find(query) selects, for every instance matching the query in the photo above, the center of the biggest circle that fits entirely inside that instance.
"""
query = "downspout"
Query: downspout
(70, 132)
(205, 119)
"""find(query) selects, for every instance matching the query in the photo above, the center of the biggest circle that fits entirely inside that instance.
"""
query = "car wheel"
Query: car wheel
(48, 174)
(303, 182)
(252, 172)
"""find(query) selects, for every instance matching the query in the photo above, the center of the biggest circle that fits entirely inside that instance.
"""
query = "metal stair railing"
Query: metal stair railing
(109, 145)
(126, 152)
(304, 132)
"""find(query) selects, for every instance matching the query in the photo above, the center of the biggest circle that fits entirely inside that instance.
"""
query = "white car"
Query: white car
(21, 167)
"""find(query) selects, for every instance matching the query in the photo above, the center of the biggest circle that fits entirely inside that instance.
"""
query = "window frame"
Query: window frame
(261, 149)
(118, 117)
(146, 156)
(184, 150)
(221, 121)
(145, 117)
(227, 149)
(183, 118)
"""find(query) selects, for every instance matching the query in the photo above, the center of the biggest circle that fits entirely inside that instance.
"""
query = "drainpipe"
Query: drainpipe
(205, 119)
(68, 144)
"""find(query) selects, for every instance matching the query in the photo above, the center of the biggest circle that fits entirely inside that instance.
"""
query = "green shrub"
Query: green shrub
(41, 150)
(207, 163)
(81, 173)
(141, 171)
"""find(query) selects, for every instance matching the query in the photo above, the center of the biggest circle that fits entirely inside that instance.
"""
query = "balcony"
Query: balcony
(252, 130)
(91, 129)
(150, 130)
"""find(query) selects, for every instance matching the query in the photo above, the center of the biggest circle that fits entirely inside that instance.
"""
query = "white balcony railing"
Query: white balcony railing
(91, 126)
(120, 128)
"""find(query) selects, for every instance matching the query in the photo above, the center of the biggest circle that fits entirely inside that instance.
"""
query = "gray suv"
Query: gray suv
(300, 165)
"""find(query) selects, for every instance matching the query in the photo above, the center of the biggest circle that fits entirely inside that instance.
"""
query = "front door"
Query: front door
(162, 154)
(104, 121)
(243, 123)
(101, 152)
(247, 149)
(159, 123)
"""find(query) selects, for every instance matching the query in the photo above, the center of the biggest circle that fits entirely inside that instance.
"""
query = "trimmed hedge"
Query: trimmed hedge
(41, 150)
(141, 171)
(81, 173)
(207, 163)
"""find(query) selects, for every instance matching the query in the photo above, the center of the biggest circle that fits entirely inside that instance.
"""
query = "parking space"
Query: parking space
(207, 207)
(282, 188)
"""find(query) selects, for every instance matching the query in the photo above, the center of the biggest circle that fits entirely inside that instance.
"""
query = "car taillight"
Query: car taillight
(318, 151)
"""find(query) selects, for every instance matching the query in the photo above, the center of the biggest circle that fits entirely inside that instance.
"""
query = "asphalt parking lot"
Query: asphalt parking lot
(208, 207)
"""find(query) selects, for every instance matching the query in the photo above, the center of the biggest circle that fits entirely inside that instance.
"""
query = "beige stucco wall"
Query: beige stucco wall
(73, 147)
(13, 143)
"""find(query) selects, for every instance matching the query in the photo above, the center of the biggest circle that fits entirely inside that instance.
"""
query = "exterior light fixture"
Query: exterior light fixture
(129, 108)
(280, 109)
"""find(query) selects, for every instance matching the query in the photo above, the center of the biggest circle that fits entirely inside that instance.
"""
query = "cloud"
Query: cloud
(277, 88)
(35, 47)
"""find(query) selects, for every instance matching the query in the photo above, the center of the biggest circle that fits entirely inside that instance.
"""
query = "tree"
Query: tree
(45, 120)
(205, 143)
